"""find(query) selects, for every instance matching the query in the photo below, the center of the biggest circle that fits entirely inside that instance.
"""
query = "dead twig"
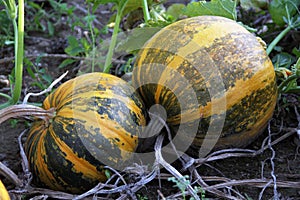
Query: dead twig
(208, 188)
(161, 195)
(10, 175)
(276, 197)
(43, 192)
(229, 153)
(291, 132)
(170, 168)
(128, 189)
(25, 163)
(226, 153)
(141, 183)
(49, 89)
(95, 189)
(298, 127)
(259, 183)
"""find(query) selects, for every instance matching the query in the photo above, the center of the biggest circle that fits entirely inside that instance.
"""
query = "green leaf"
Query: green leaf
(13, 122)
(48, 78)
(107, 173)
(89, 18)
(66, 63)
(283, 60)
(97, 3)
(280, 9)
(86, 46)
(175, 10)
(6, 25)
(224, 8)
(30, 72)
(296, 52)
(11, 8)
(50, 28)
(131, 4)
(257, 5)
(135, 39)
(74, 47)
(134, 5)
(34, 5)
(102, 1)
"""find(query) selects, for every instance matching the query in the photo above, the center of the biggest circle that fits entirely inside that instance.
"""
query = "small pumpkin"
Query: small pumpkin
(3, 192)
(208, 72)
(97, 118)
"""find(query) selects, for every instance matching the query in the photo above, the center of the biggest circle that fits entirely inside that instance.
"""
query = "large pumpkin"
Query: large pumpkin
(213, 78)
(97, 118)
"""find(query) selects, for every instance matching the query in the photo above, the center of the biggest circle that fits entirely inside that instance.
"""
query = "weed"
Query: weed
(140, 197)
(182, 184)
(45, 20)
(6, 29)
(39, 74)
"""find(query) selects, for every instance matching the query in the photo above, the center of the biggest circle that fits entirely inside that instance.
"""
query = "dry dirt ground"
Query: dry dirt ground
(286, 152)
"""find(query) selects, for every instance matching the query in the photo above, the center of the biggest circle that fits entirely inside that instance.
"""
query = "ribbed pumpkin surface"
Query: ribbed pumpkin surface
(225, 67)
(96, 122)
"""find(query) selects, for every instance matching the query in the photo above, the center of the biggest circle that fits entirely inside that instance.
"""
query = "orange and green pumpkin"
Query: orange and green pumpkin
(3, 192)
(97, 119)
(208, 72)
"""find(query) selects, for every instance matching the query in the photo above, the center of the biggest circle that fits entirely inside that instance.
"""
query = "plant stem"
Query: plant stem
(25, 110)
(146, 10)
(19, 49)
(278, 38)
(93, 40)
(295, 90)
(286, 82)
(93, 48)
(19, 53)
(113, 41)
(5, 96)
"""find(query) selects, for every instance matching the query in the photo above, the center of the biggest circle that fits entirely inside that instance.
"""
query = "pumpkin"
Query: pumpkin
(3, 192)
(214, 80)
(97, 119)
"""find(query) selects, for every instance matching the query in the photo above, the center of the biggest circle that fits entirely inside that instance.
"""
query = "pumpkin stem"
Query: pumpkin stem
(25, 110)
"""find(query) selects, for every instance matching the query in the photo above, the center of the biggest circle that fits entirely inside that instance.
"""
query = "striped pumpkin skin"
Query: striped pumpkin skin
(201, 50)
(96, 122)
(3, 192)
